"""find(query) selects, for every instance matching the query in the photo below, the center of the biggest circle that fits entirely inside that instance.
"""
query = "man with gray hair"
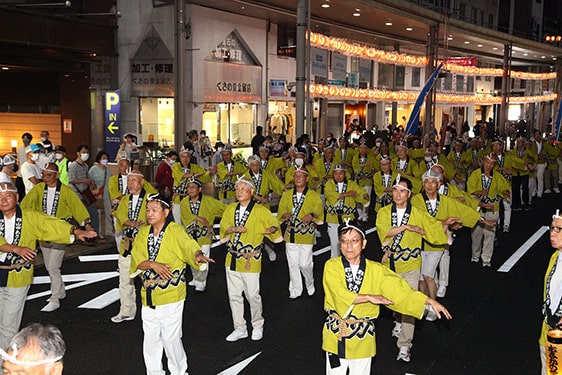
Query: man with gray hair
(36, 349)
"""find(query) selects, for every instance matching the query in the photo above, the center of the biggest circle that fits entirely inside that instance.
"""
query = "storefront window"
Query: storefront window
(230, 122)
(157, 120)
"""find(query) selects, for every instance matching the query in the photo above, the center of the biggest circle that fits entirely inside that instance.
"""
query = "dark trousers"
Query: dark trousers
(517, 183)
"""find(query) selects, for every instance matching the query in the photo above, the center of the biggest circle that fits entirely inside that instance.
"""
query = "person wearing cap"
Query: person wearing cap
(62, 163)
(342, 197)
(36, 349)
(227, 172)
(274, 165)
(118, 189)
(355, 288)
(20, 229)
(460, 163)
(364, 164)
(452, 191)
(506, 163)
(243, 228)
(182, 172)
(536, 186)
(401, 229)
(160, 255)
(453, 215)
(552, 153)
(30, 171)
(26, 139)
(490, 188)
(302, 210)
(164, 177)
(8, 166)
(130, 216)
(382, 184)
(552, 305)
(344, 154)
(403, 164)
(324, 167)
(46, 143)
(525, 166)
(53, 198)
(198, 213)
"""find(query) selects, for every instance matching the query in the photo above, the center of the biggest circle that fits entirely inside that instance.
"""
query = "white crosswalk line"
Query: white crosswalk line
(234, 370)
(513, 259)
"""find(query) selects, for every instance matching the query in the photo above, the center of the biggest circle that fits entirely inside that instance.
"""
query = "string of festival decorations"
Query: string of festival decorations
(366, 52)
(347, 93)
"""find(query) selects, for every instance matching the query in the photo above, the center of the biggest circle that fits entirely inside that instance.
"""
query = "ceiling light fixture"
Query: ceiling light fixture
(325, 5)
(480, 46)
(449, 38)
(5, 68)
(466, 42)
(356, 14)
(495, 48)
(388, 23)
(409, 28)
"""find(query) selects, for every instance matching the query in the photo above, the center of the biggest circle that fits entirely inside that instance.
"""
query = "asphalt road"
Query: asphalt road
(494, 330)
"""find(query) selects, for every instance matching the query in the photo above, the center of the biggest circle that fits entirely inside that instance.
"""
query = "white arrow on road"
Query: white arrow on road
(79, 279)
(234, 370)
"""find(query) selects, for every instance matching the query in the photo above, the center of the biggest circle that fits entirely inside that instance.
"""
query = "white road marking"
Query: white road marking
(102, 301)
(234, 370)
(98, 258)
(513, 259)
(80, 279)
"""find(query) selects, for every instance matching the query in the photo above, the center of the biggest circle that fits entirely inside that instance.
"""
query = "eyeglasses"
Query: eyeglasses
(555, 229)
(351, 241)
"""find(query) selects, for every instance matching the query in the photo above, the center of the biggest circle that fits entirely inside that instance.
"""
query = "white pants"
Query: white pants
(162, 328)
(540, 179)
(483, 238)
(53, 255)
(127, 295)
(542, 351)
(506, 211)
(200, 277)
(177, 212)
(249, 284)
(444, 265)
(408, 322)
(334, 240)
(118, 234)
(360, 366)
(12, 302)
(299, 259)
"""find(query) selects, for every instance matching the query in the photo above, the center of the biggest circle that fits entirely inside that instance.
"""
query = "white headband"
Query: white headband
(557, 215)
(350, 226)
(13, 358)
(397, 184)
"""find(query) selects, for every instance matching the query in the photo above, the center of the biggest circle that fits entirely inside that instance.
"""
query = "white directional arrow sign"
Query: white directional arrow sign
(234, 370)
(79, 280)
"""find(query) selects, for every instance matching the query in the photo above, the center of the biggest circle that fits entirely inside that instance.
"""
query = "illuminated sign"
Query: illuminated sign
(112, 123)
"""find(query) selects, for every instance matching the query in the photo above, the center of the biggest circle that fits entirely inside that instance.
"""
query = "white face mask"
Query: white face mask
(428, 158)
(43, 139)
(378, 144)
(171, 162)
(104, 161)
(34, 156)
(84, 157)
(219, 149)
(58, 155)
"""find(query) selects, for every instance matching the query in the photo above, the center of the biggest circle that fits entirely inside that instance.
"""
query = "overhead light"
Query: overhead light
(554, 58)
(356, 14)
(480, 46)
(466, 42)
(409, 28)
(5, 68)
(325, 5)
(495, 48)
(543, 57)
(388, 23)
(448, 38)
(64, 4)
(525, 54)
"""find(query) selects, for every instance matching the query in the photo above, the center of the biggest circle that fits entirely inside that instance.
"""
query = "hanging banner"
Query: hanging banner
(412, 126)
(112, 123)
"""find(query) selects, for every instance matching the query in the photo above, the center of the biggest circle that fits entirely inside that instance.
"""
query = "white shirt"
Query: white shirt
(50, 199)
(4, 178)
(433, 203)
(29, 170)
(124, 183)
(400, 214)
(9, 225)
(555, 285)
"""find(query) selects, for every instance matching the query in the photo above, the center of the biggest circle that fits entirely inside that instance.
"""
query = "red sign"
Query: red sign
(462, 61)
